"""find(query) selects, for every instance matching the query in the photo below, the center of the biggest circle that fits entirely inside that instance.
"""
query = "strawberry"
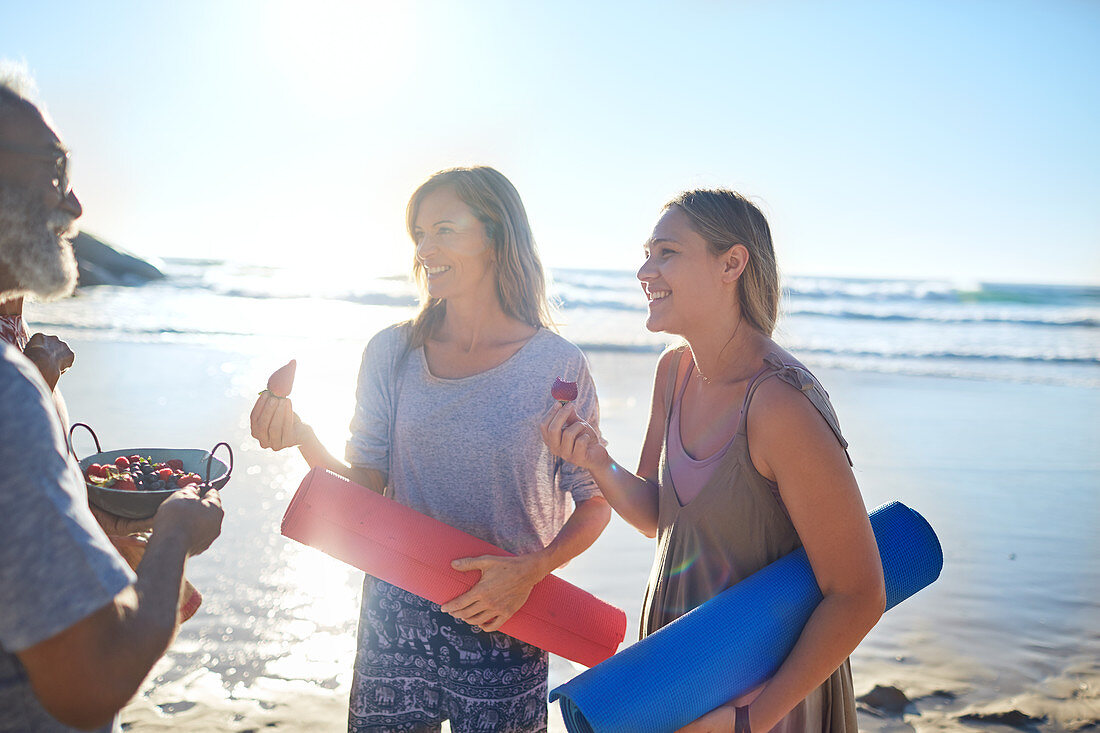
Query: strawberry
(282, 380)
(563, 391)
(124, 483)
(135, 458)
(188, 480)
(175, 464)
(164, 474)
(96, 471)
(122, 462)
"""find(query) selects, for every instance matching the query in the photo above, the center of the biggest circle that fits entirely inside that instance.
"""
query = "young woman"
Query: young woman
(446, 422)
(743, 462)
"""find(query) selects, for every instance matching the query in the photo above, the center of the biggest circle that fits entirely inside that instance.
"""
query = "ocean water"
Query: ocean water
(1018, 332)
(973, 404)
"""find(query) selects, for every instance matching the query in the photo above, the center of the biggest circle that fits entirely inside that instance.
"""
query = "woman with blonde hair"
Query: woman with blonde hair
(446, 422)
(743, 462)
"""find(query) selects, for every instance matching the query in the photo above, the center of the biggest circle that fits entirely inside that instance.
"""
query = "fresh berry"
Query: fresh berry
(122, 462)
(563, 391)
(97, 471)
(188, 480)
(281, 381)
(124, 483)
(164, 473)
(135, 458)
(176, 463)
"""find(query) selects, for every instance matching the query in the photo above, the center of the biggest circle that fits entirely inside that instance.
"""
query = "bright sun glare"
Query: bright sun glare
(330, 47)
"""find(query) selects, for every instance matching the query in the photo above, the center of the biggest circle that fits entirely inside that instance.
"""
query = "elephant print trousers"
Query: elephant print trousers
(417, 666)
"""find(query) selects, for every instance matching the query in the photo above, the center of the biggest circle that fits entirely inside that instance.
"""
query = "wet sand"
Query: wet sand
(1006, 473)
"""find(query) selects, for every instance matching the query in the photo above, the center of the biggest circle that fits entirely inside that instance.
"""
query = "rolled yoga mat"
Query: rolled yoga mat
(413, 551)
(734, 641)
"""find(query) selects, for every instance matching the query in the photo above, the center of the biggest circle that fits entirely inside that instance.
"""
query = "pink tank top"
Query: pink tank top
(689, 475)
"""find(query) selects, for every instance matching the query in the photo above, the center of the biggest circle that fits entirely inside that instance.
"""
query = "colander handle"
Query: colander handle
(76, 425)
(210, 461)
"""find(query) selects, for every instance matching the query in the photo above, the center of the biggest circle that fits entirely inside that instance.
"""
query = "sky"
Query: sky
(954, 140)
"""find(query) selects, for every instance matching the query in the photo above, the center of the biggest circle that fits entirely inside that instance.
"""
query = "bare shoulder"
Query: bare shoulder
(665, 375)
(649, 460)
(666, 366)
(780, 409)
(785, 356)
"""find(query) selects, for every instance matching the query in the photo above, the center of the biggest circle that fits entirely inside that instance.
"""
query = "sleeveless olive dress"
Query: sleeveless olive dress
(735, 526)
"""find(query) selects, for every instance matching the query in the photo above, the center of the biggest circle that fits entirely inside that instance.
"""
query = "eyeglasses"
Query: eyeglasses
(59, 156)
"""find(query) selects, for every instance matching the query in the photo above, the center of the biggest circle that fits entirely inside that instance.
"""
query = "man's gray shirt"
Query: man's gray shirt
(56, 565)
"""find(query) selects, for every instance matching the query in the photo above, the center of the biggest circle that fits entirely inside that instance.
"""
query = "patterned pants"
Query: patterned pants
(417, 666)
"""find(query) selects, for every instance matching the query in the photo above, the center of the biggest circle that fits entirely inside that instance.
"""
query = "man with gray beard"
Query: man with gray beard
(36, 222)
(79, 630)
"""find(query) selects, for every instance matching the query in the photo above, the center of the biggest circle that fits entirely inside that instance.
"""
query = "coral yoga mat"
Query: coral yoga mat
(413, 551)
(734, 641)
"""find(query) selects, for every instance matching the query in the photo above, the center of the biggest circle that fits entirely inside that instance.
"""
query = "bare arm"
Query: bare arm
(85, 674)
(506, 582)
(633, 496)
(51, 355)
(583, 527)
(276, 426)
(790, 443)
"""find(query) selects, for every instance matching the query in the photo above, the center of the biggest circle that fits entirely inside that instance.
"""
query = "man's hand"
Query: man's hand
(505, 584)
(196, 521)
(86, 673)
(51, 355)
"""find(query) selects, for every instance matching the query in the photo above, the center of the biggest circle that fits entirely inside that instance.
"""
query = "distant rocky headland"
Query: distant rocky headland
(104, 264)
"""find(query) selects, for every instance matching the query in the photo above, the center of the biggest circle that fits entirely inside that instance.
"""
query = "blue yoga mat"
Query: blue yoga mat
(734, 641)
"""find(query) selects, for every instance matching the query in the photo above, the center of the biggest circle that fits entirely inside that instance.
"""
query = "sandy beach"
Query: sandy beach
(254, 182)
(1008, 638)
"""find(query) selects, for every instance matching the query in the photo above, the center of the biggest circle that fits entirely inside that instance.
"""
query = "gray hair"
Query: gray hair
(17, 87)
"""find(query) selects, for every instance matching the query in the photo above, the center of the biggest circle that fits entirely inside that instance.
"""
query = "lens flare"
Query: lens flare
(684, 564)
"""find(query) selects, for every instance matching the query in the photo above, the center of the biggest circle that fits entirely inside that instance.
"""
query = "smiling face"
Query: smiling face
(686, 284)
(453, 248)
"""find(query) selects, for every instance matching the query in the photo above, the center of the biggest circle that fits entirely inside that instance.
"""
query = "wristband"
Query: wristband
(741, 719)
